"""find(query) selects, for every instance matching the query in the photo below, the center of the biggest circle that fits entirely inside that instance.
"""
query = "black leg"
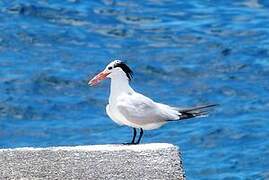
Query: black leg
(140, 136)
(133, 140)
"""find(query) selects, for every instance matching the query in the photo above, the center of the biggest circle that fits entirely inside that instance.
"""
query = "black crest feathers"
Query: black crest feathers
(126, 69)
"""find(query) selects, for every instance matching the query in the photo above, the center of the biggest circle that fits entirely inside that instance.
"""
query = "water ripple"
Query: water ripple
(182, 53)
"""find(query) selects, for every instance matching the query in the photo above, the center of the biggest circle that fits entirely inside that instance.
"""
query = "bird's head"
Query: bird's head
(115, 69)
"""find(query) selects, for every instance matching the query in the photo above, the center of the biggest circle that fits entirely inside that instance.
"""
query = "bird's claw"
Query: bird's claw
(131, 143)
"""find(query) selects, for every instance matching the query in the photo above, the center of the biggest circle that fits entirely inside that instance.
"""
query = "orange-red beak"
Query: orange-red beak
(98, 78)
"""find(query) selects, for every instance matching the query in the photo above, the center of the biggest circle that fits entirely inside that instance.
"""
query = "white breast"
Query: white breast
(110, 112)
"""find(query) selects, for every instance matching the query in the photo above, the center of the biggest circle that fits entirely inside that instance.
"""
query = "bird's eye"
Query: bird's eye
(109, 68)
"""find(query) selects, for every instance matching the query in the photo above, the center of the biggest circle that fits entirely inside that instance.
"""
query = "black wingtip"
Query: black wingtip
(198, 107)
(195, 111)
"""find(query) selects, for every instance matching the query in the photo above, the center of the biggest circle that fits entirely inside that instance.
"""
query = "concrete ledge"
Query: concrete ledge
(146, 161)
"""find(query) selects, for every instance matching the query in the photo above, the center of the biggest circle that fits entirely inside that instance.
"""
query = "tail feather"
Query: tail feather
(198, 111)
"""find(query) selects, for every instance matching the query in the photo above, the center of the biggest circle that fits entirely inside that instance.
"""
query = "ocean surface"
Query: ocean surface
(183, 53)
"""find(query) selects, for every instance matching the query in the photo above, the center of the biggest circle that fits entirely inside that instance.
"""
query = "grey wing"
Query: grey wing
(139, 109)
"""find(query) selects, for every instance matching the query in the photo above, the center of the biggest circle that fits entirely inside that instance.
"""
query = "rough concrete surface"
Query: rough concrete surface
(146, 161)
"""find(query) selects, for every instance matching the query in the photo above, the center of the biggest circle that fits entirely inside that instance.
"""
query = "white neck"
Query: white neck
(118, 86)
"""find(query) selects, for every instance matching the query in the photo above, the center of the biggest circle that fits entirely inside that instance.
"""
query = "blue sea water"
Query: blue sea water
(183, 53)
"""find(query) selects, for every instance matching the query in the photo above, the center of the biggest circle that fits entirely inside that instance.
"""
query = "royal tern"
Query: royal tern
(130, 108)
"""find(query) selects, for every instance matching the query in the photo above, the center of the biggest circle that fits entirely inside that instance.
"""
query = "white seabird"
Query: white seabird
(130, 108)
